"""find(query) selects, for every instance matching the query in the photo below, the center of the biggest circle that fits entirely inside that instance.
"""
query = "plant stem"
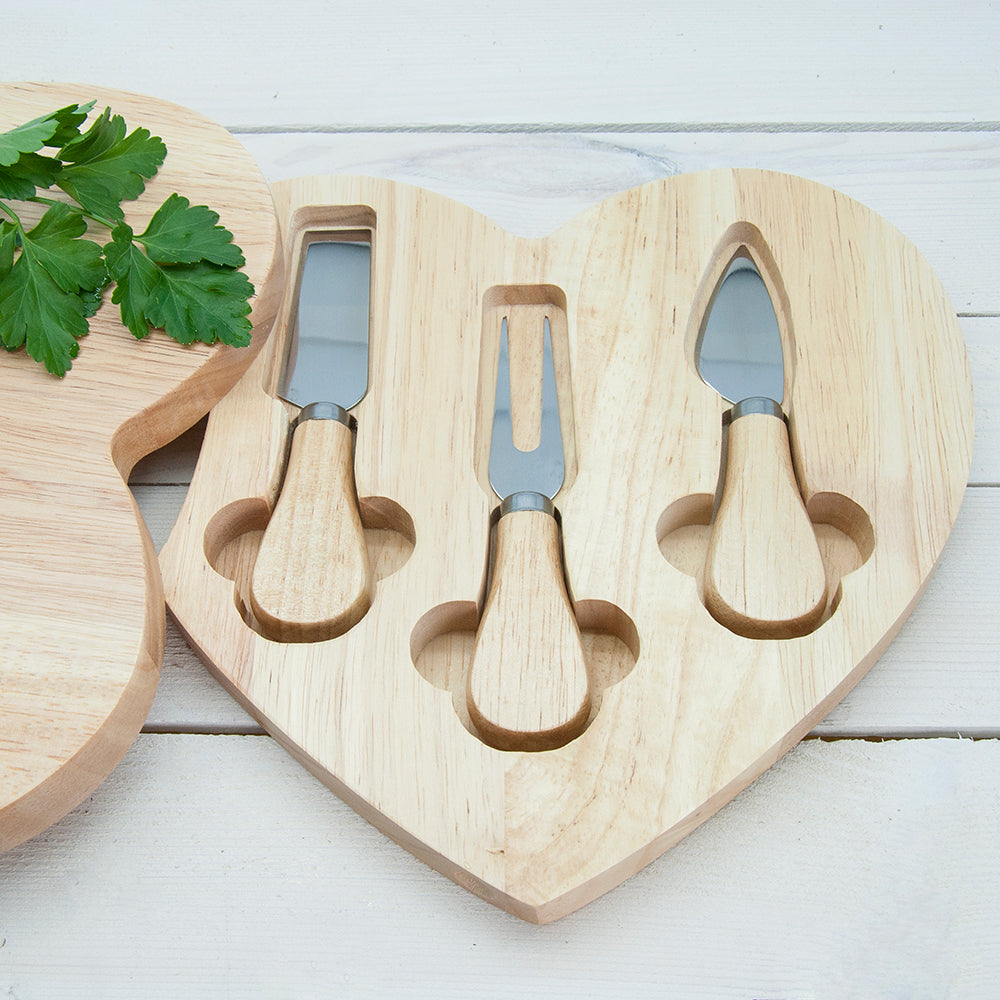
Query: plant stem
(12, 215)
(107, 223)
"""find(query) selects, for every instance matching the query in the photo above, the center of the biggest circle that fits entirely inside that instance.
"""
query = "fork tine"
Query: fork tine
(512, 470)
(551, 435)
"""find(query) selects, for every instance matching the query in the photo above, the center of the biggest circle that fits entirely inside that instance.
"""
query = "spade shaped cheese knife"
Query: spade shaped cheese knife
(527, 687)
(312, 579)
(764, 576)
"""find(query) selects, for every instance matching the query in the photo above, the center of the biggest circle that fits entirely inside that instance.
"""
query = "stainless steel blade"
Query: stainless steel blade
(512, 470)
(327, 354)
(739, 350)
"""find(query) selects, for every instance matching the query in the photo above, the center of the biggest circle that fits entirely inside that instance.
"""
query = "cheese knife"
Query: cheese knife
(764, 576)
(527, 687)
(312, 579)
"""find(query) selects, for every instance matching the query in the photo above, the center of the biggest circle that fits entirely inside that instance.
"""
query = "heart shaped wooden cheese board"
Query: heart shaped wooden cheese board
(684, 711)
(82, 614)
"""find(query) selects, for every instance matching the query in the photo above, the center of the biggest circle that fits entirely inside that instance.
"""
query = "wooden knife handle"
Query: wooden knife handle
(764, 576)
(312, 579)
(527, 687)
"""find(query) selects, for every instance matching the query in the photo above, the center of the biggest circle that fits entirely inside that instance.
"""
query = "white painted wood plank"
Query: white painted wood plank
(172, 465)
(941, 190)
(216, 867)
(940, 674)
(982, 341)
(388, 63)
(189, 699)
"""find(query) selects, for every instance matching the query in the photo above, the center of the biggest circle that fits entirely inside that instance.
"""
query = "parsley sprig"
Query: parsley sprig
(181, 274)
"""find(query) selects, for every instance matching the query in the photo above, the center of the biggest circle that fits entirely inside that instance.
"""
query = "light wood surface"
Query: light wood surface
(312, 578)
(764, 575)
(81, 603)
(527, 687)
(373, 712)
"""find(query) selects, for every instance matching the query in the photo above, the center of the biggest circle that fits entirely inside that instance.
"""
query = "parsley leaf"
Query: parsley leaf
(135, 278)
(8, 240)
(104, 166)
(193, 301)
(25, 138)
(179, 275)
(21, 179)
(36, 312)
(31, 136)
(182, 233)
(68, 122)
(74, 264)
(202, 302)
(22, 168)
(42, 303)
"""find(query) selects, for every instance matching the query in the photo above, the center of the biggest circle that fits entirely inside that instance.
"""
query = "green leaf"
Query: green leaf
(20, 180)
(46, 295)
(36, 312)
(104, 166)
(8, 241)
(26, 138)
(92, 300)
(202, 302)
(180, 274)
(198, 301)
(69, 120)
(54, 129)
(74, 264)
(136, 277)
(182, 233)
(104, 133)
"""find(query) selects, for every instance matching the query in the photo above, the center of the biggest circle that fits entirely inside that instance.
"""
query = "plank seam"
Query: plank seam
(970, 736)
(165, 729)
(505, 128)
(892, 736)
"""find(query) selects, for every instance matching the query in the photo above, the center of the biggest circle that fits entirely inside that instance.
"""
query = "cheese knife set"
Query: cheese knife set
(538, 551)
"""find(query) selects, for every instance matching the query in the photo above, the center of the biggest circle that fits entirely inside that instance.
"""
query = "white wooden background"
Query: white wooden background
(866, 863)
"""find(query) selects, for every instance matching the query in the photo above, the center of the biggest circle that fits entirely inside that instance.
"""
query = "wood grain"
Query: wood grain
(81, 602)
(527, 686)
(452, 63)
(312, 578)
(764, 576)
(937, 678)
(703, 711)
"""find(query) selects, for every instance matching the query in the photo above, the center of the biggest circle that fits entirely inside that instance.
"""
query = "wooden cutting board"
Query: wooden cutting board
(686, 711)
(81, 600)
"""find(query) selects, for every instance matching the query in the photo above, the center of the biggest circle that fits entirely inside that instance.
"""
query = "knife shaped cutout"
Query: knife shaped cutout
(764, 576)
(312, 579)
(527, 687)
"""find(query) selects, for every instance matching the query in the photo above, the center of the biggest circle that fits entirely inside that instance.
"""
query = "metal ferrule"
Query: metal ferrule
(325, 411)
(756, 404)
(518, 501)
(527, 501)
